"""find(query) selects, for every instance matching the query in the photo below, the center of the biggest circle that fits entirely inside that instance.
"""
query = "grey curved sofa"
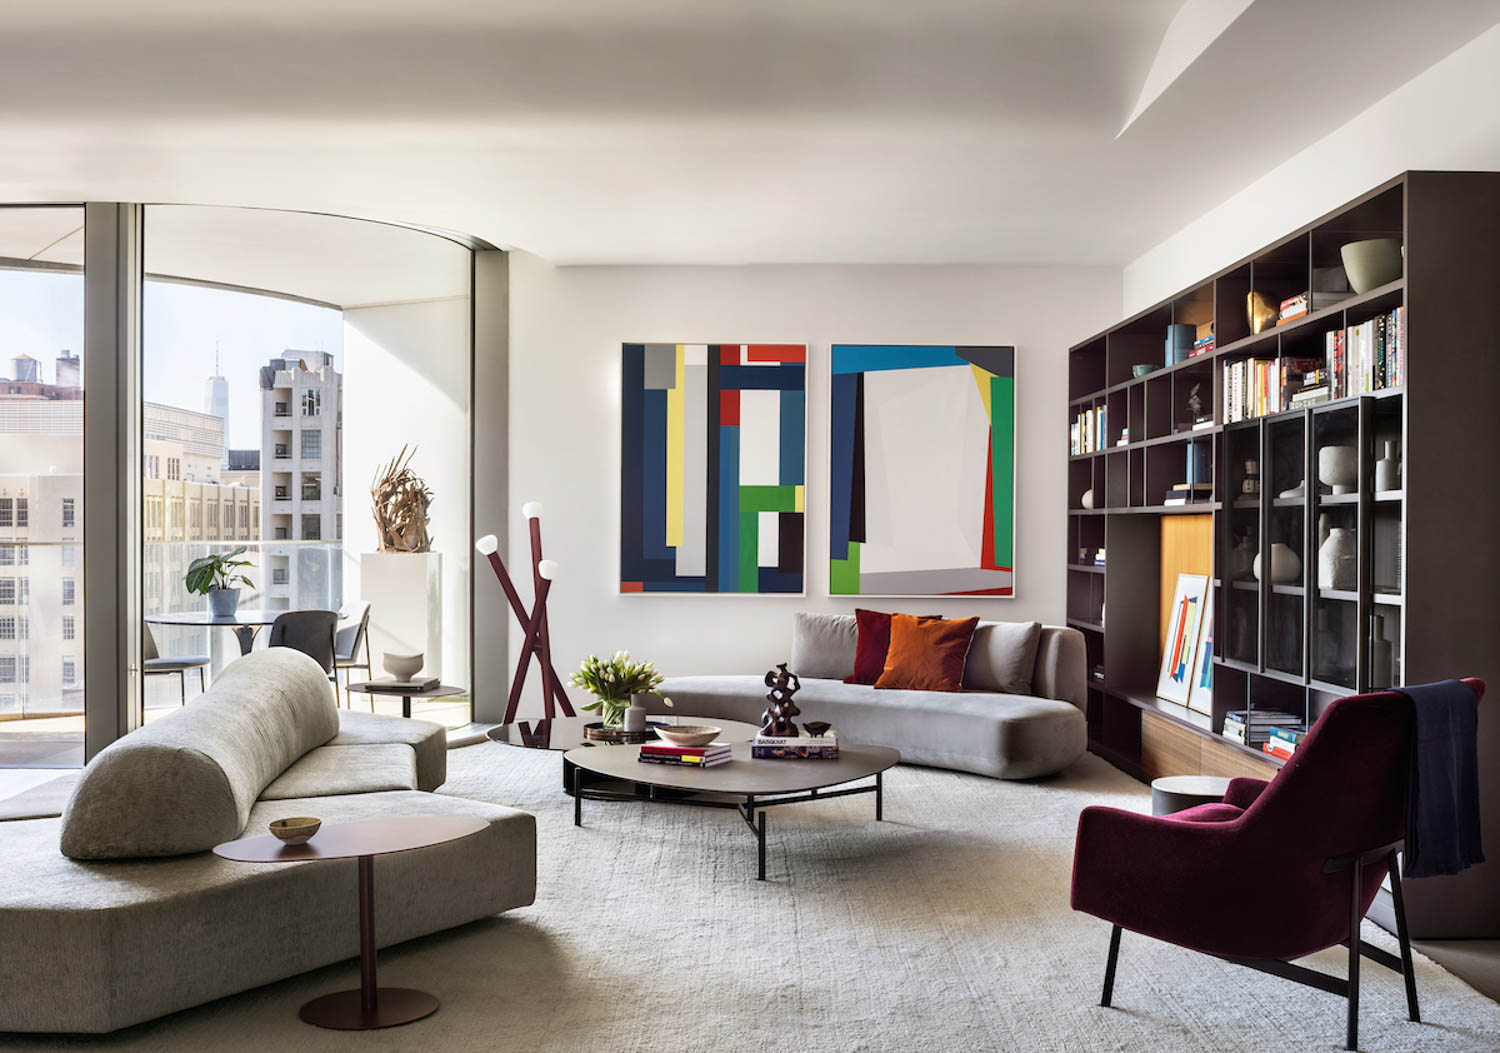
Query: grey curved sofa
(1005, 734)
(138, 919)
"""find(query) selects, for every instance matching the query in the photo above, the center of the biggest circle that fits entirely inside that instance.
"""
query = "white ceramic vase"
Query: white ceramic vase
(1388, 469)
(1285, 566)
(1338, 468)
(1336, 560)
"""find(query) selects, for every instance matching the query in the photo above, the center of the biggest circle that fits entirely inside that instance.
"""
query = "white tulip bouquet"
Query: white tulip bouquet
(612, 681)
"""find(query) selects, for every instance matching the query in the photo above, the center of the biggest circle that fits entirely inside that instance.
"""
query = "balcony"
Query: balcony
(283, 493)
(312, 493)
(283, 410)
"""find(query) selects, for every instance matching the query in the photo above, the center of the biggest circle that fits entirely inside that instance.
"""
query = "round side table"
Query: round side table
(381, 687)
(371, 1006)
(1175, 793)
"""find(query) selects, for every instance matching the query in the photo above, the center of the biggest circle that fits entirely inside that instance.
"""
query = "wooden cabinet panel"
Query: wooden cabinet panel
(1167, 748)
(1230, 762)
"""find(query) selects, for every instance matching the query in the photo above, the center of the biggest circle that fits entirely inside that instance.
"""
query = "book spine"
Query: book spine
(684, 762)
(794, 752)
(682, 751)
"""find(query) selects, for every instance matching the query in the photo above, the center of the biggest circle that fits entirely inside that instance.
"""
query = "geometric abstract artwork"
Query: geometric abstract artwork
(713, 460)
(922, 472)
(1175, 680)
(1201, 694)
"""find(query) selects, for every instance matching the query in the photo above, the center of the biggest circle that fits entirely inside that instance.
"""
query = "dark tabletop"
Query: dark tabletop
(566, 733)
(368, 837)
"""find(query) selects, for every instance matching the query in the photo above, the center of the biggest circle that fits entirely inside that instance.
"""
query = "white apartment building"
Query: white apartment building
(301, 476)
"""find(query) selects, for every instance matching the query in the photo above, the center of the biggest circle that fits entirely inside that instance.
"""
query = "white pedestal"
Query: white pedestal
(405, 594)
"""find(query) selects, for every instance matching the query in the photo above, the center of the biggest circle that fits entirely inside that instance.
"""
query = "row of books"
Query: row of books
(1283, 741)
(1367, 357)
(802, 747)
(712, 755)
(1252, 727)
(1088, 431)
(1256, 387)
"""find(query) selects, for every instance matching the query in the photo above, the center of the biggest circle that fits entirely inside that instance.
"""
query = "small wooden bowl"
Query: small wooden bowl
(297, 830)
(689, 734)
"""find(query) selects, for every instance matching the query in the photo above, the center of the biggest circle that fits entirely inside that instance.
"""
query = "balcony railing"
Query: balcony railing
(310, 494)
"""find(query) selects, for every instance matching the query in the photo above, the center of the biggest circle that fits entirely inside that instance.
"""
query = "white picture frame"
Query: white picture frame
(1174, 680)
(1201, 691)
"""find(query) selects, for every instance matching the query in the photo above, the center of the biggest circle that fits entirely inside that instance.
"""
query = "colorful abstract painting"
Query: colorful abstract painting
(712, 468)
(922, 476)
(1201, 697)
(1174, 681)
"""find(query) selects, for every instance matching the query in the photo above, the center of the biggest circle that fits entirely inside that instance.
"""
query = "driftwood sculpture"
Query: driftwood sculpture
(400, 501)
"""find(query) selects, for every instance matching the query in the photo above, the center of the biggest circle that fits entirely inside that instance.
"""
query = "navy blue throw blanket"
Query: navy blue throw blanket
(1442, 808)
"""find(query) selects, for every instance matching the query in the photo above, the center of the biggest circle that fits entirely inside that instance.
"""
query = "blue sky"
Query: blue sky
(41, 314)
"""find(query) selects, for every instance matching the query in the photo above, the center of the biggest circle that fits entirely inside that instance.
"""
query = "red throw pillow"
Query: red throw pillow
(873, 640)
(927, 655)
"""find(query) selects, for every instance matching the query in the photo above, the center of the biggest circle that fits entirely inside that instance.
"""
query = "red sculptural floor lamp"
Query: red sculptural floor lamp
(538, 642)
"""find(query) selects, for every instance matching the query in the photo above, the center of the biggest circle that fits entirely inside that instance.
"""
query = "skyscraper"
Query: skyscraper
(69, 371)
(216, 402)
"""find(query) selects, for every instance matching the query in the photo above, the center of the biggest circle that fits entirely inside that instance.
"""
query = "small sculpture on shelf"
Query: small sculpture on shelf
(776, 721)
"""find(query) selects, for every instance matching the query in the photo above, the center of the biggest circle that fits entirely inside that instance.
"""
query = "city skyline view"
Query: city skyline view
(41, 315)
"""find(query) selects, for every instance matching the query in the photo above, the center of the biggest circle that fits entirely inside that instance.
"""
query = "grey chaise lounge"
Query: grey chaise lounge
(1018, 717)
(117, 912)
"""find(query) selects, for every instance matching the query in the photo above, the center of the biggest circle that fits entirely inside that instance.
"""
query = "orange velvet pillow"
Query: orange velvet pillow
(927, 655)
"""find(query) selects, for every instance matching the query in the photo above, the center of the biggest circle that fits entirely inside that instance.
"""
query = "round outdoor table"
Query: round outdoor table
(381, 687)
(245, 622)
(371, 1006)
(1175, 793)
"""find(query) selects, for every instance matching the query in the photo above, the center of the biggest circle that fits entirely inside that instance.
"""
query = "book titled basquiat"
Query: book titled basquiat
(803, 747)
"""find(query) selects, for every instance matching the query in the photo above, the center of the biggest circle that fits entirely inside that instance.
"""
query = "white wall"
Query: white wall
(406, 381)
(567, 325)
(1446, 118)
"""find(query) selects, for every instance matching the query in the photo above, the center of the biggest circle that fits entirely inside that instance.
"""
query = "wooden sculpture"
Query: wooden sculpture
(401, 498)
(538, 642)
(776, 721)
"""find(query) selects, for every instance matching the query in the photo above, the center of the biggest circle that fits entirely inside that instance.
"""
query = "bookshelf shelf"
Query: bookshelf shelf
(1085, 568)
(1294, 646)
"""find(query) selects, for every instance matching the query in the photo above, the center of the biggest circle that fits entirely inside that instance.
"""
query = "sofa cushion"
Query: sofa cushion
(1002, 657)
(331, 770)
(823, 645)
(428, 740)
(187, 781)
(927, 654)
(874, 631)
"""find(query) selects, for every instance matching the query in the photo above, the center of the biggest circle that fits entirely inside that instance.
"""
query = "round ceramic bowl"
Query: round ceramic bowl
(689, 734)
(1371, 263)
(297, 830)
(402, 666)
(1143, 368)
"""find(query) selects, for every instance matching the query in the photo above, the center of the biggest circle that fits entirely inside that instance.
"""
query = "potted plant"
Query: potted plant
(218, 577)
(612, 682)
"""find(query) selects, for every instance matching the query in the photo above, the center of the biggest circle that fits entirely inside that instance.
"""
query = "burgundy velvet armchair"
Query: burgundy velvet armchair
(1308, 849)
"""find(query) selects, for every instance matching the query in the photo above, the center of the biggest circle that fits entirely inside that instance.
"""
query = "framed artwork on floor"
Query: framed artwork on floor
(1201, 694)
(922, 443)
(713, 455)
(1185, 617)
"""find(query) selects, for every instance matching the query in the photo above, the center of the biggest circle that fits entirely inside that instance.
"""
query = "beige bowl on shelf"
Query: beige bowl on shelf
(1371, 263)
(689, 734)
(402, 666)
(297, 830)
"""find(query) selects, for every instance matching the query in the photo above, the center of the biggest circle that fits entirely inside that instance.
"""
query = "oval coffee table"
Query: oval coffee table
(562, 734)
(371, 1006)
(759, 784)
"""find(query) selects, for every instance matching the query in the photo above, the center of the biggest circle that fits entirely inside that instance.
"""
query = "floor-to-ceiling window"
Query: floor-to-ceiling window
(41, 487)
(286, 357)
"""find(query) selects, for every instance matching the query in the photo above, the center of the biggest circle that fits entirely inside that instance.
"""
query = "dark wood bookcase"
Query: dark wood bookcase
(1418, 603)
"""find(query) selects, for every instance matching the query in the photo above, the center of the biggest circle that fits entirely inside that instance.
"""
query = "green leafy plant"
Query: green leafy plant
(613, 680)
(217, 571)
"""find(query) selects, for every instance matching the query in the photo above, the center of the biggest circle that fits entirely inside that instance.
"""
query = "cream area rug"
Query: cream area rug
(946, 927)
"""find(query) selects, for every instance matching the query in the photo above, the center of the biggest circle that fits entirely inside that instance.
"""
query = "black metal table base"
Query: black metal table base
(752, 809)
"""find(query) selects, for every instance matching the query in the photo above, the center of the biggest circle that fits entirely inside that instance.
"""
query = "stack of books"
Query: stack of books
(801, 747)
(1182, 493)
(1284, 740)
(1099, 557)
(1088, 431)
(709, 756)
(411, 687)
(1252, 727)
(1367, 357)
(1293, 307)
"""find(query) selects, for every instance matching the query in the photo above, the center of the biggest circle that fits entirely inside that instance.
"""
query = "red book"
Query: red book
(666, 749)
(1275, 751)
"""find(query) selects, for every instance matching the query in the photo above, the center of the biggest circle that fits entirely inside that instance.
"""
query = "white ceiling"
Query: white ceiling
(705, 131)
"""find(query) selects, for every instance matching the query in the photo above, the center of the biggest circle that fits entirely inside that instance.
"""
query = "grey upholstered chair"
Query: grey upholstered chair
(153, 664)
(310, 632)
(348, 641)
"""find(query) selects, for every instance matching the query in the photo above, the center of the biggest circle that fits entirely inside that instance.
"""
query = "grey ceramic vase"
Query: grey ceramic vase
(222, 603)
(1285, 566)
(1388, 468)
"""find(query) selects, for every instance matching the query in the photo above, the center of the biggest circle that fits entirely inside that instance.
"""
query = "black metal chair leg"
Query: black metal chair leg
(1412, 1011)
(1351, 1040)
(182, 686)
(1109, 966)
(202, 680)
